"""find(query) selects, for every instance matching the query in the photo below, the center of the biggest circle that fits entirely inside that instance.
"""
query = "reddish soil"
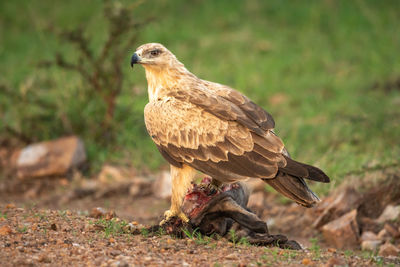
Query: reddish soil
(37, 228)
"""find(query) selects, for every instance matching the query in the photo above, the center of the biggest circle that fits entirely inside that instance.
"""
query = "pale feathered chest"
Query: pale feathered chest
(172, 121)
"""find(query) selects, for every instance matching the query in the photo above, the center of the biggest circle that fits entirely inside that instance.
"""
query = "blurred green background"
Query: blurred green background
(328, 71)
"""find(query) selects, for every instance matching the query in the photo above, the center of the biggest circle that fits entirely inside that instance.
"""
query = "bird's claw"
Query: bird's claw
(169, 214)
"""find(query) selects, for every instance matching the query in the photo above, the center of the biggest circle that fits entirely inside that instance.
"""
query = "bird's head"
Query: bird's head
(153, 56)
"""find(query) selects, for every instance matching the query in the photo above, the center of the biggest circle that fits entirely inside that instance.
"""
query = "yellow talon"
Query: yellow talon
(183, 217)
(170, 214)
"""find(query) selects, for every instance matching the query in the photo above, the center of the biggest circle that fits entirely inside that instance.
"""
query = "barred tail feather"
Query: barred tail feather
(294, 188)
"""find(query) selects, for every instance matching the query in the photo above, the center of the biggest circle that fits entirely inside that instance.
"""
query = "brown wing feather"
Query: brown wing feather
(214, 135)
(306, 171)
(254, 112)
(294, 188)
(225, 136)
(171, 159)
(218, 106)
(221, 132)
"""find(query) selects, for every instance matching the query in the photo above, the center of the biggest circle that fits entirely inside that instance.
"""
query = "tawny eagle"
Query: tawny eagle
(210, 127)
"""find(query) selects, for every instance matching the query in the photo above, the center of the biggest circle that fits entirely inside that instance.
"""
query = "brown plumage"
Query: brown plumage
(197, 124)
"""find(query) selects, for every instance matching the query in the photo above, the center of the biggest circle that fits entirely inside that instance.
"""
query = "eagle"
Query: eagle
(198, 125)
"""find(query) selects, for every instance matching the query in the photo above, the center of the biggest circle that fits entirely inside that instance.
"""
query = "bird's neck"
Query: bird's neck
(161, 80)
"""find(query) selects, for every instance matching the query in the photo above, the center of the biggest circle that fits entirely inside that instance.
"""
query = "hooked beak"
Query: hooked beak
(135, 59)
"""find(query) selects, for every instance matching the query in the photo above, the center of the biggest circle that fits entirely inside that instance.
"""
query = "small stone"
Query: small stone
(388, 249)
(140, 187)
(5, 230)
(342, 232)
(392, 230)
(332, 262)
(369, 236)
(371, 245)
(383, 235)
(390, 213)
(97, 212)
(10, 206)
(44, 259)
(334, 207)
(53, 227)
(51, 158)
(111, 175)
(162, 186)
(306, 261)
(231, 256)
(111, 214)
(115, 252)
(332, 250)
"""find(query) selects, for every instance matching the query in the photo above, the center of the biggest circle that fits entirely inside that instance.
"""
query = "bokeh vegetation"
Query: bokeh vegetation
(328, 71)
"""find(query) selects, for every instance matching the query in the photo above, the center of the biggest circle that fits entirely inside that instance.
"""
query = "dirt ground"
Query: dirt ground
(36, 228)
(56, 221)
(33, 236)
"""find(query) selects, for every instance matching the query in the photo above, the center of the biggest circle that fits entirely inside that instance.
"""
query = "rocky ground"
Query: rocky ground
(69, 219)
(34, 236)
(55, 227)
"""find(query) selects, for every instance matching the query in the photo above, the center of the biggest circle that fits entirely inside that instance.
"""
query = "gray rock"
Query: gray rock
(390, 213)
(384, 235)
(162, 186)
(50, 158)
(369, 236)
(371, 245)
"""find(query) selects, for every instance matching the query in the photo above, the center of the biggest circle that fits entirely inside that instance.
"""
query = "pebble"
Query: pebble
(371, 245)
(369, 236)
(5, 230)
(53, 227)
(389, 214)
(392, 230)
(10, 206)
(384, 235)
(332, 262)
(231, 256)
(306, 261)
(44, 259)
(388, 249)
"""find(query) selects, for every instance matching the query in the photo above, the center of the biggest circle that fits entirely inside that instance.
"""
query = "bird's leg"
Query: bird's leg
(181, 181)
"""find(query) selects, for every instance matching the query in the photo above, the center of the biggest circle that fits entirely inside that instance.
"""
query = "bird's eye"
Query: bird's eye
(155, 52)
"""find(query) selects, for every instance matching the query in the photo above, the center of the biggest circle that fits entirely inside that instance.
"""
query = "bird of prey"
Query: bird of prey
(210, 127)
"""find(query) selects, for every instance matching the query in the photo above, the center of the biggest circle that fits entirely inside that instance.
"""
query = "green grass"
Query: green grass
(320, 58)
(23, 229)
(113, 227)
(315, 248)
(144, 232)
